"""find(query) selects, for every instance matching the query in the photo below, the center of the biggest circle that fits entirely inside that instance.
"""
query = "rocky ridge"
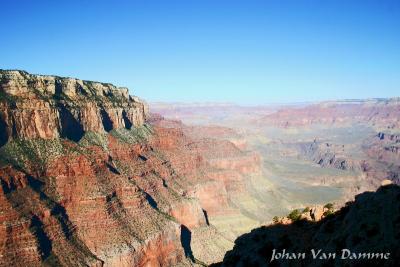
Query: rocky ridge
(370, 224)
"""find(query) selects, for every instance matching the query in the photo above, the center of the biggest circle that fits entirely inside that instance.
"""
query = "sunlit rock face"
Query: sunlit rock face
(89, 179)
(36, 106)
(64, 199)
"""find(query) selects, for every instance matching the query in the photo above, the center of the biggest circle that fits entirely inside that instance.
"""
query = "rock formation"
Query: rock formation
(383, 113)
(72, 177)
(312, 214)
(34, 106)
(377, 160)
(370, 224)
(89, 178)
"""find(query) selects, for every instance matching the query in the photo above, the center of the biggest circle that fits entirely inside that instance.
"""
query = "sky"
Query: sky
(245, 52)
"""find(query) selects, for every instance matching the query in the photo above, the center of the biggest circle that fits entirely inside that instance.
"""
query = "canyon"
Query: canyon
(92, 176)
(337, 149)
(311, 154)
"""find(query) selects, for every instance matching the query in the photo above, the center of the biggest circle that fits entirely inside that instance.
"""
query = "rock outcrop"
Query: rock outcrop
(330, 155)
(370, 224)
(35, 106)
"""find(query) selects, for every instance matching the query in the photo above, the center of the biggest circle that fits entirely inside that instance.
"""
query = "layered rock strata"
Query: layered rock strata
(35, 106)
(88, 179)
(382, 113)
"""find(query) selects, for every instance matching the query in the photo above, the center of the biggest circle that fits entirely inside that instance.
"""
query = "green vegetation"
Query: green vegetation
(167, 216)
(92, 95)
(295, 215)
(94, 139)
(116, 100)
(41, 95)
(34, 152)
(134, 135)
(307, 209)
(90, 88)
(330, 210)
(275, 219)
(37, 153)
(18, 152)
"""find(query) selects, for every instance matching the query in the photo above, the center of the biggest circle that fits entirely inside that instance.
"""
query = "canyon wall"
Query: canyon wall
(89, 178)
(359, 136)
(35, 106)
(377, 112)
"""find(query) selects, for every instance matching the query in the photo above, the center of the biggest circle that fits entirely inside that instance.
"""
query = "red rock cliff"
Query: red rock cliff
(48, 107)
(87, 181)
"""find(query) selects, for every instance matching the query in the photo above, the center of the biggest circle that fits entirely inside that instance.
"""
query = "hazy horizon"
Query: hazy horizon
(205, 103)
(248, 52)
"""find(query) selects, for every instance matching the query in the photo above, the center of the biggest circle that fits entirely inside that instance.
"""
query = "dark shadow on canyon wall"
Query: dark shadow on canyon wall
(143, 158)
(58, 89)
(111, 166)
(44, 242)
(56, 209)
(370, 224)
(112, 169)
(186, 239)
(107, 122)
(206, 217)
(128, 123)
(151, 201)
(70, 127)
(3, 132)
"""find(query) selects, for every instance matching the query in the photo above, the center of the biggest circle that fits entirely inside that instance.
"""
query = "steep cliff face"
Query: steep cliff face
(88, 206)
(88, 180)
(76, 188)
(34, 106)
(384, 149)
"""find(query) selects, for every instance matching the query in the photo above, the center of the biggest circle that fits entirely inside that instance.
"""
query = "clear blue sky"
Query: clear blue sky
(232, 51)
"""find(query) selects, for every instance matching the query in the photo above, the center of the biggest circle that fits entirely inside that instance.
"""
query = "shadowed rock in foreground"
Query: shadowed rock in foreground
(370, 224)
